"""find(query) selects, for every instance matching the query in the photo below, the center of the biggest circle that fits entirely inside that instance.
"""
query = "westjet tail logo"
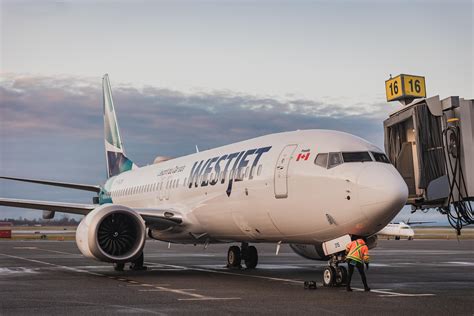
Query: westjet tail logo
(226, 168)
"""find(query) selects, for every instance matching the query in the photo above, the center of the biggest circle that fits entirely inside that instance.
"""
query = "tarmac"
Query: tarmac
(418, 277)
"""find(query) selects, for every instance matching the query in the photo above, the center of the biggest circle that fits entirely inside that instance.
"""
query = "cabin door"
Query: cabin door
(281, 171)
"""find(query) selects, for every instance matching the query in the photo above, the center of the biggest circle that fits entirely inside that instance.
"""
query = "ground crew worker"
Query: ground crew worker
(357, 253)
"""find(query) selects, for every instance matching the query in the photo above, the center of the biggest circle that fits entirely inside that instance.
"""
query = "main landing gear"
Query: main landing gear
(236, 254)
(335, 275)
(136, 265)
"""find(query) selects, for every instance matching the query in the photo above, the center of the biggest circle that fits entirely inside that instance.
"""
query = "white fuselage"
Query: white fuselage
(282, 194)
(398, 230)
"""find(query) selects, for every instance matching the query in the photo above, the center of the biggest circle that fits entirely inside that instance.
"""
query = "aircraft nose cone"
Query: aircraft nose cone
(382, 192)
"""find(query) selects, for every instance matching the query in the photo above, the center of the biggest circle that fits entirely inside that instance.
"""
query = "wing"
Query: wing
(419, 222)
(151, 216)
(72, 208)
(77, 186)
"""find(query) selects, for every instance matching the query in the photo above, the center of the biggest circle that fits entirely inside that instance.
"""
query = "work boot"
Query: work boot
(367, 289)
(348, 289)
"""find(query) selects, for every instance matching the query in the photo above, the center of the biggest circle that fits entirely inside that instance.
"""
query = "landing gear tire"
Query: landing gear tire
(397, 237)
(119, 266)
(251, 257)
(329, 276)
(137, 265)
(341, 276)
(234, 257)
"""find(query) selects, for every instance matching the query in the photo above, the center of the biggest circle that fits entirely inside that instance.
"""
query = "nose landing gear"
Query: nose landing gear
(335, 275)
(236, 254)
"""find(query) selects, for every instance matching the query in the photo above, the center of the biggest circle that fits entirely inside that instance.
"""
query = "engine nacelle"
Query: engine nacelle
(111, 233)
(313, 252)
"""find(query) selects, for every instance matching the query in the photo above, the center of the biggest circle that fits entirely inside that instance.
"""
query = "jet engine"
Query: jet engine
(313, 252)
(111, 233)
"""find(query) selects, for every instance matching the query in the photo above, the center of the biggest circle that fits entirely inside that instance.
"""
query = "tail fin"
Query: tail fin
(117, 162)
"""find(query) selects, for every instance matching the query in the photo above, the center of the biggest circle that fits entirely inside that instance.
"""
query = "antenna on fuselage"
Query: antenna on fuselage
(197, 149)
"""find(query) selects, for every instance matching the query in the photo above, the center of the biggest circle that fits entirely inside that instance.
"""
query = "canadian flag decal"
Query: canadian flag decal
(303, 155)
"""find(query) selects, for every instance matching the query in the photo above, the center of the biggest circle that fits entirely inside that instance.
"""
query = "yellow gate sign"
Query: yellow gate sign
(405, 87)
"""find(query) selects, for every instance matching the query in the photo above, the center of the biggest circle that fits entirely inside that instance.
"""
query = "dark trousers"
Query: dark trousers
(359, 267)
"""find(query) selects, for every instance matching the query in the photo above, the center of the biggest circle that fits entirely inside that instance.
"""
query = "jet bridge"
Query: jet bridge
(431, 143)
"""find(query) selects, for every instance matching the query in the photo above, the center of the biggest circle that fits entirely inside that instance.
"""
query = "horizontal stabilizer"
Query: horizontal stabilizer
(77, 186)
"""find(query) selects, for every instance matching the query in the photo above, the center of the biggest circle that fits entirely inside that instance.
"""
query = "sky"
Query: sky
(207, 73)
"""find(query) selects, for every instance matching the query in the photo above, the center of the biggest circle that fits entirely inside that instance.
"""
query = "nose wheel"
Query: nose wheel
(248, 254)
(335, 275)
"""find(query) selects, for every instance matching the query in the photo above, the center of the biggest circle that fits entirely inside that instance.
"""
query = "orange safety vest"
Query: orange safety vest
(358, 251)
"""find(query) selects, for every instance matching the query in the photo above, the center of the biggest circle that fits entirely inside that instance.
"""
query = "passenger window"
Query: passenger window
(321, 160)
(334, 159)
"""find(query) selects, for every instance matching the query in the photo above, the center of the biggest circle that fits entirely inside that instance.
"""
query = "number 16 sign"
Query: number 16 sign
(405, 87)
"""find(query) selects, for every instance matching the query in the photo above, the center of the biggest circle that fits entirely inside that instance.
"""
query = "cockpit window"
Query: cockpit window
(334, 159)
(321, 160)
(380, 157)
(331, 160)
(359, 156)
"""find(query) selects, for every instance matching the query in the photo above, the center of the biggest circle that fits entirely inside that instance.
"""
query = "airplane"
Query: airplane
(312, 189)
(400, 229)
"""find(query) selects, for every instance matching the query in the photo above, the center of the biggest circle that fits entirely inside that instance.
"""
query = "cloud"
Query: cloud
(169, 119)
